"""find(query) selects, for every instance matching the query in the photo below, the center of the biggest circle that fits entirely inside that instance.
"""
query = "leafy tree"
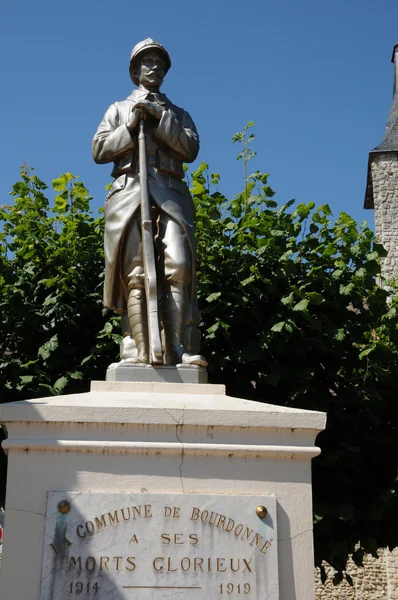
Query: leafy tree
(292, 314)
(51, 268)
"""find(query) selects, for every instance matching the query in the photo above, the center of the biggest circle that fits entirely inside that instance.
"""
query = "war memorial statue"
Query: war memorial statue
(149, 240)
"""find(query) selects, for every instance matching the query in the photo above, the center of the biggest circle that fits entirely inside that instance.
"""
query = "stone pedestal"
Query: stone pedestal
(137, 373)
(154, 439)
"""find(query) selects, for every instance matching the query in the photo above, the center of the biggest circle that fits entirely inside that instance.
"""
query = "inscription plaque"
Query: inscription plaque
(154, 546)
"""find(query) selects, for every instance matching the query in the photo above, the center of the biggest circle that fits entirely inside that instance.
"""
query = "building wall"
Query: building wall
(385, 194)
(378, 580)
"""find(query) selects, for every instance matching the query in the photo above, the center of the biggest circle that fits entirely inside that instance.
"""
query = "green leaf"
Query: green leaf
(238, 137)
(359, 273)
(302, 305)
(288, 299)
(197, 189)
(303, 211)
(372, 256)
(76, 375)
(278, 327)
(61, 182)
(213, 328)
(317, 518)
(86, 359)
(213, 296)
(345, 290)
(390, 314)
(367, 351)
(315, 298)
(248, 280)
(202, 167)
(60, 384)
(286, 256)
(60, 204)
(277, 233)
(46, 349)
(329, 250)
(340, 335)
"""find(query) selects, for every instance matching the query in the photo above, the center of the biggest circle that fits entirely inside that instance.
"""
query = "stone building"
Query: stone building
(377, 580)
(382, 184)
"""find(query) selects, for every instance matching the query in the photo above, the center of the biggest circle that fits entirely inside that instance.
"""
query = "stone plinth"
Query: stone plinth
(153, 439)
(124, 371)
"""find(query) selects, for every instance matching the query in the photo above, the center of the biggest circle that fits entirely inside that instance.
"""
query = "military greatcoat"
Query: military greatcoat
(170, 142)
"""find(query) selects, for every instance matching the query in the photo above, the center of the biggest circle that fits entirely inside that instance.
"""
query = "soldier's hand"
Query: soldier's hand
(134, 121)
(151, 108)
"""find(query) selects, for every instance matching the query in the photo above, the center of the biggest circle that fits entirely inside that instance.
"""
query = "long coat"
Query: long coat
(170, 142)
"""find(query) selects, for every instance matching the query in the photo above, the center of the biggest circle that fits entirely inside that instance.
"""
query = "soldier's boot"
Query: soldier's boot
(138, 319)
(127, 345)
(174, 313)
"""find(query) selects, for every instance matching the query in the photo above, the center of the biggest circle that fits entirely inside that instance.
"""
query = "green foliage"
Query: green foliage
(291, 315)
(51, 269)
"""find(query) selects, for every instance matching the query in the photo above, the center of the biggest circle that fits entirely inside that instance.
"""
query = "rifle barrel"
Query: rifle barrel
(148, 250)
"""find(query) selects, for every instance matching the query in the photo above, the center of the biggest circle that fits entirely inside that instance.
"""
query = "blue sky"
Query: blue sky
(315, 77)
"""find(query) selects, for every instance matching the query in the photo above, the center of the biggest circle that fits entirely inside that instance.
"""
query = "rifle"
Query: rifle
(148, 251)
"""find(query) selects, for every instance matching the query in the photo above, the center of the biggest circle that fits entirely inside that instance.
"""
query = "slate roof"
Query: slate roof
(390, 139)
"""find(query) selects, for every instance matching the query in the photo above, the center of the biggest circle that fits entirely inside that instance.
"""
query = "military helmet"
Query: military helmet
(148, 44)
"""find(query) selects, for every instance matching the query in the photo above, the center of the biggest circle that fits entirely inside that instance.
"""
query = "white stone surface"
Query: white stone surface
(158, 387)
(147, 546)
(124, 371)
(157, 442)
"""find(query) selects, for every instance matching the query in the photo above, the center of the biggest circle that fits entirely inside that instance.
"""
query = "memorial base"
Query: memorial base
(198, 475)
(124, 371)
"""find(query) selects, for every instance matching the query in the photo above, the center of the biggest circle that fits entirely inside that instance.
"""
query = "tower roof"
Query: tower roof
(390, 139)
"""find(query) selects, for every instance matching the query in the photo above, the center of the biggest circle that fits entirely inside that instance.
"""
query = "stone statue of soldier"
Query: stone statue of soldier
(171, 139)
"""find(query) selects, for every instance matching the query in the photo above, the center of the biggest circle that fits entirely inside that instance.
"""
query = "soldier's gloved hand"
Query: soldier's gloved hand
(134, 121)
(152, 108)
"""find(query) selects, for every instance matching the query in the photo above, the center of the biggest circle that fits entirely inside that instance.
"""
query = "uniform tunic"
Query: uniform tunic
(170, 142)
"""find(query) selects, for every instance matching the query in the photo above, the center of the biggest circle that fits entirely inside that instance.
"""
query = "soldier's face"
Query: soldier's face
(151, 70)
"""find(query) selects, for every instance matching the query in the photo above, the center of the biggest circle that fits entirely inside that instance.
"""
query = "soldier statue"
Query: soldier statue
(149, 218)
